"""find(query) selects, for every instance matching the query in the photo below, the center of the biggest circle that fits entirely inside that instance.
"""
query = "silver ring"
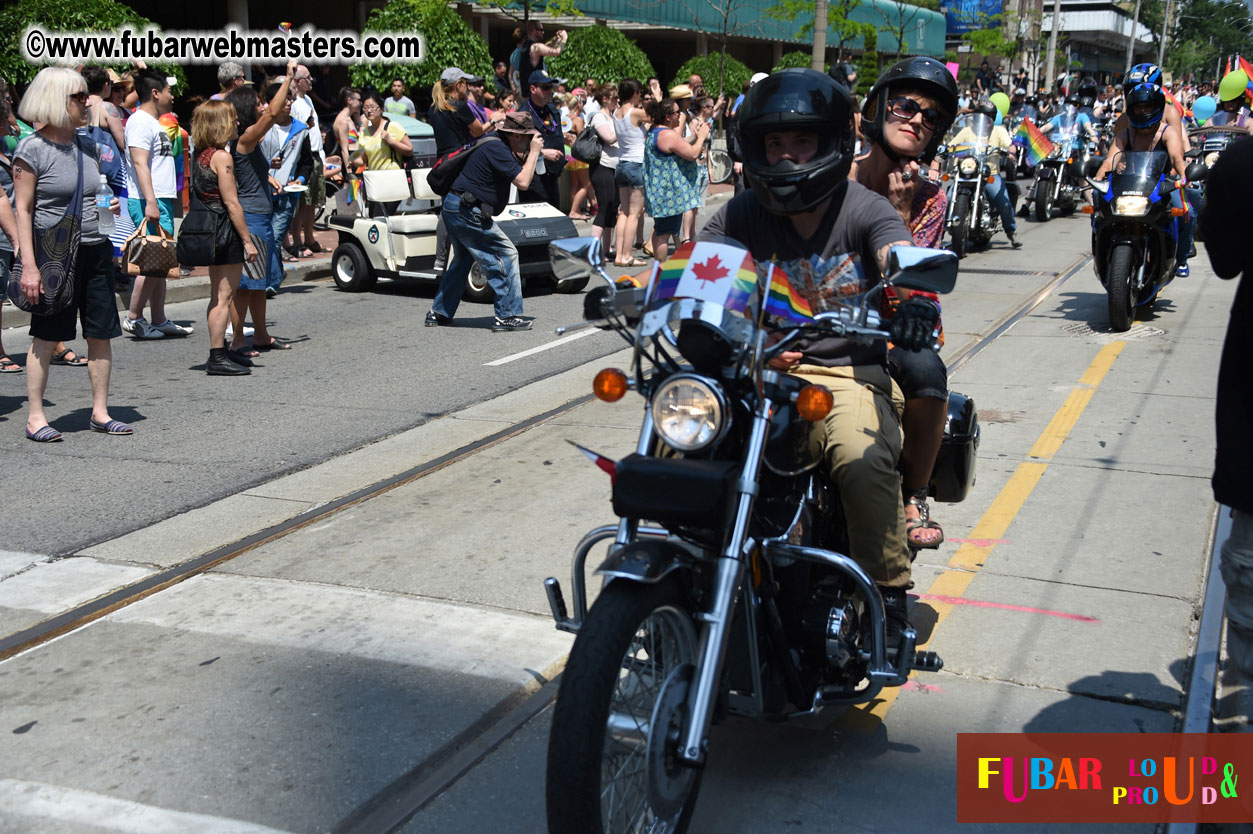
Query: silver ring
(906, 176)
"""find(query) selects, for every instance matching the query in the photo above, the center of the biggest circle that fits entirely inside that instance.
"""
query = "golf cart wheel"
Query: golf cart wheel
(477, 288)
(571, 286)
(351, 269)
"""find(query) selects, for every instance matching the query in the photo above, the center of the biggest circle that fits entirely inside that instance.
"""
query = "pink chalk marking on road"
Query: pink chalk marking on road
(1028, 610)
(980, 542)
(919, 686)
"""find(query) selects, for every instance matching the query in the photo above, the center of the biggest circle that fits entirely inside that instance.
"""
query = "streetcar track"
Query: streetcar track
(395, 804)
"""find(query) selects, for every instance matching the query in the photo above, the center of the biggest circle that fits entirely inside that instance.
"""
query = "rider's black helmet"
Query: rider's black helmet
(803, 100)
(1145, 105)
(926, 75)
(986, 108)
(1072, 99)
(1087, 92)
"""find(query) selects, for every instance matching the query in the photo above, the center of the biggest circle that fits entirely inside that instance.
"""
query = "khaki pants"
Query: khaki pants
(862, 442)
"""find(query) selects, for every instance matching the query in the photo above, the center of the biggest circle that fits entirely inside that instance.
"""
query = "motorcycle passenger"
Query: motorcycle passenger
(1148, 131)
(802, 212)
(1022, 106)
(1069, 123)
(1150, 74)
(905, 116)
(1231, 95)
(998, 194)
(1087, 97)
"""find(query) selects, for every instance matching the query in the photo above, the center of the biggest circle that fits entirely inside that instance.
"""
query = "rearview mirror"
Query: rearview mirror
(920, 268)
(575, 257)
(1197, 172)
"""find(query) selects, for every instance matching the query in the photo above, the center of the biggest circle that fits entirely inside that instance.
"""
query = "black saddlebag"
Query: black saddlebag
(954, 472)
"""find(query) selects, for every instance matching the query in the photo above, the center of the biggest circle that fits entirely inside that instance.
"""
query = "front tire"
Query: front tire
(1122, 303)
(961, 224)
(351, 269)
(612, 763)
(1043, 201)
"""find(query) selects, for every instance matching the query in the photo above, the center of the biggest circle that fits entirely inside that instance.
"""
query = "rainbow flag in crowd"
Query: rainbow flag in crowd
(354, 192)
(1248, 70)
(783, 301)
(713, 272)
(1036, 143)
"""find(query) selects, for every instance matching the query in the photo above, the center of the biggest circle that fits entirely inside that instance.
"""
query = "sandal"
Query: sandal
(274, 344)
(65, 358)
(246, 352)
(317, 248)
(922, 522)
(8, 366)
(630, 263)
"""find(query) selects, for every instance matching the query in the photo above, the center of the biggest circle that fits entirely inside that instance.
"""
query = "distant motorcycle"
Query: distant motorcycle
(1060, 177)
(1135, 231)
(972, 220)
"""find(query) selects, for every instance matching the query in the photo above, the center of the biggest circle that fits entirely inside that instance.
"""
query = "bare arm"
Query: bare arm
(1174, 147)
(8, 220)
(402, 146)
(247, 143)
(669, 141)
(604, 129)
(523, 179)
(1107, 164)
(24, 180)
(882, 255)
(223, 167)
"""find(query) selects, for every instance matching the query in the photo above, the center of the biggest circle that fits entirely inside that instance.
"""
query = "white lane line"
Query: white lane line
(534, 350)
(57, 804)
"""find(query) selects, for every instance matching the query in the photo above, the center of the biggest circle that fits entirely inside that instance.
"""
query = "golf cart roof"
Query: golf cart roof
(413, 127)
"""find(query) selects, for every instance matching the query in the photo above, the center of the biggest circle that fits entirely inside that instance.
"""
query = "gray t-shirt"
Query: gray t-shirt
(6, 182)
(837, 262)
(56, 170)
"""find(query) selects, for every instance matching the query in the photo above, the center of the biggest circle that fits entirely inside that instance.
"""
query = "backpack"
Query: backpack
(446, 169)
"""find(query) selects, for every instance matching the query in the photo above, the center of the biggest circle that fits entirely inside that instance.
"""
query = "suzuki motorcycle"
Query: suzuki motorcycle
(1135, 231)
(726, 591)
(1059, 177)
(972, 221)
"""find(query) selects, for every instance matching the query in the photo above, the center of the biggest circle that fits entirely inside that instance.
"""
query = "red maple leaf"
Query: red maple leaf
(711, 271)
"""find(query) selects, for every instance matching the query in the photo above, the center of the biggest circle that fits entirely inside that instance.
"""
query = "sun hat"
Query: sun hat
(518, 122)
(681, 91)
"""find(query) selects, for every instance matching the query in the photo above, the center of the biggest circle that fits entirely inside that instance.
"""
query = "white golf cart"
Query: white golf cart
(402, 245)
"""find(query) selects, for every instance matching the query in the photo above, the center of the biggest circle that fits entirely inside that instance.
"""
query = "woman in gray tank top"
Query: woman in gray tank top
(252, 182)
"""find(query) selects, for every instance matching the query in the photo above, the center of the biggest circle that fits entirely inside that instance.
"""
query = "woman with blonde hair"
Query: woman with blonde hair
(213, 127)
(580, 179)
(56, 176)
(450, 119)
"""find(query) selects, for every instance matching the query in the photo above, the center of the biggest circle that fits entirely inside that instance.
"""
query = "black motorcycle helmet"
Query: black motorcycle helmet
(803, 100)
(1145, 106)
(926, 75)
(986, 108)
(1087, 92)
(1072, 100)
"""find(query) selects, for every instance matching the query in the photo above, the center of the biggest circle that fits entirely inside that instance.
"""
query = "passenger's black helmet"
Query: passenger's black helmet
(986, 108)
(797, 99)
(1145, 105)
(927, 75)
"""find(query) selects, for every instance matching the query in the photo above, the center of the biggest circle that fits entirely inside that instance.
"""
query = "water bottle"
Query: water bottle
(104, 217)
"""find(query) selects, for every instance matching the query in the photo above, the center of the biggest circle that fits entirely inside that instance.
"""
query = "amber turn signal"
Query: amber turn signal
(991, 180)
(610, 385)
(814, 402)
(1178, 212)
(1088, 210)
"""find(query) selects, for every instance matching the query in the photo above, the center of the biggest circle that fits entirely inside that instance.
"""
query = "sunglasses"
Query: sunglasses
(906, 108)
(81, 98)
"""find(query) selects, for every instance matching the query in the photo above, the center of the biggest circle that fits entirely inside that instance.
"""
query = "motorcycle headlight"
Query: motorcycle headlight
(968, 166)
(1131, 206)
(689, 412)
(1211, 158)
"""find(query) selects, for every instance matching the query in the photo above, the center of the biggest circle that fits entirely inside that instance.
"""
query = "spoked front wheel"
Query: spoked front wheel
(613, 763)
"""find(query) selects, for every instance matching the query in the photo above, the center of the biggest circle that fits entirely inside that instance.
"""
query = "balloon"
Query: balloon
(1001, 101)
(1203, 108)
(1233, 85)
(1000, 118)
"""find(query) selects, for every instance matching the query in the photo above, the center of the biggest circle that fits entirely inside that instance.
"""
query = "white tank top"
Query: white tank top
(630, 139)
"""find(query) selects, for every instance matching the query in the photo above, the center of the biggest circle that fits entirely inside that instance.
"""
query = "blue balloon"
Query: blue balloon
(1203, 108)
(1000, 118)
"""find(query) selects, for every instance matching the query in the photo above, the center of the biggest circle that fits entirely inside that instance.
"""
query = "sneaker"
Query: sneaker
(439, 266)
(141, 329)
(1014, 241)
(434, 319)
(169, 328)
(896, 609)
(270, 292)
(230, 331)
(1183, 270)
(510, 324)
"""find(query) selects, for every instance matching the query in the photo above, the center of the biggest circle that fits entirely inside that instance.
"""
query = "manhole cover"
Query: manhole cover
(1102, 332)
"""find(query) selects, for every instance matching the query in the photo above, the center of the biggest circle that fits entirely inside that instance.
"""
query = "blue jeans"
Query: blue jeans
(284, 209)
(1187, 223)
(999, 199)
(491, 248)
(262, 225)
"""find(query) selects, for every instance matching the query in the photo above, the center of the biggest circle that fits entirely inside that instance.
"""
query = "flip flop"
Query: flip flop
(634, 262)
(59, 359)
(247, 352)
(275, 344)
(45, 435)
(111, 427)
(8, 366)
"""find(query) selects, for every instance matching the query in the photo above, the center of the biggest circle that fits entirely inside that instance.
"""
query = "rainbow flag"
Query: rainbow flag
(354, 193)
(713, 272)
(1036, 143)
(1248, 70)
(783, 301)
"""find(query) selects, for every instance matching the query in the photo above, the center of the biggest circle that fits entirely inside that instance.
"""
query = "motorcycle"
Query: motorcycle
(1060, 177)
(725, 588)
(971, 220)
(1135, 231)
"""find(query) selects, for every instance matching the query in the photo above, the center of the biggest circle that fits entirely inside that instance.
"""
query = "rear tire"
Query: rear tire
(1043, 201)
(1122, 303)
(961, 224)
(351, 269)
(630, 666)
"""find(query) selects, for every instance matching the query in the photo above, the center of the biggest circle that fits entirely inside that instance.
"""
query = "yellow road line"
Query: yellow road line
(970, 557)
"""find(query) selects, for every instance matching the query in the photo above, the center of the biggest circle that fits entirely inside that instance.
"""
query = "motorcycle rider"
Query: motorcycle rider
(1148, 129)
(1070, 122)
(998, 193)
(1231, 98)
(904, 118)
(1151, 74)
(803, 213)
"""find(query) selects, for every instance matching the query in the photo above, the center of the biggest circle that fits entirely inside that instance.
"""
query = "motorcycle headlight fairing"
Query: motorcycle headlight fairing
(689, 412)
(968, 166)
(1131, 206)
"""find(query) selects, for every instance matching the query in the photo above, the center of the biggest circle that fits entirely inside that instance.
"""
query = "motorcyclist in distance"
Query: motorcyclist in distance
(997, 193)
(1231, 102)
(804, 214)
(904, 118)
(1149, 131)
(1070, 122)
(1151, 74)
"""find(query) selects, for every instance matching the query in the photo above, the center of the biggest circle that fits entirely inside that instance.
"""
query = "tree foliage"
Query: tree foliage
(804, 60)
(1208, 32)
(66, 16)
(556, 8)
(709, 68)
(842, 31)
(450, 42)
(867, 71)
(602, 53)
(990, 40)
(898, 19)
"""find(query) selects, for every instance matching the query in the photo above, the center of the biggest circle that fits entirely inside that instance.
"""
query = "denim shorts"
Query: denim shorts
(629, 174)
